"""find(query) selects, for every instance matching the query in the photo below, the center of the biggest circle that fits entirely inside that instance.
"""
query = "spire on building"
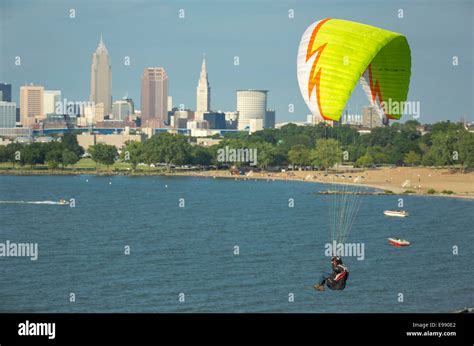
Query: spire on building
(203, 67)
(101, 47)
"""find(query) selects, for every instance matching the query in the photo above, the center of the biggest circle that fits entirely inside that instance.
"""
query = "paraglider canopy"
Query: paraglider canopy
(334, 54)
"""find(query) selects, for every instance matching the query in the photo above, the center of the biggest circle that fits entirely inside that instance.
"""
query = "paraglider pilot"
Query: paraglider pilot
(336, 280)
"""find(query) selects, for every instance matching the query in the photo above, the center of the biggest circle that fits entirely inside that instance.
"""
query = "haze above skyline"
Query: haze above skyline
(56, 50)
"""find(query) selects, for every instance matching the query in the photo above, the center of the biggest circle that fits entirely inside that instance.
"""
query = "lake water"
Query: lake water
(190, 250)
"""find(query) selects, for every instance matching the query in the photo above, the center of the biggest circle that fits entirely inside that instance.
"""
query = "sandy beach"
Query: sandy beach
(398, 179)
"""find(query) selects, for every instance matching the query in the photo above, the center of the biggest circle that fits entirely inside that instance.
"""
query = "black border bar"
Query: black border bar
(190, 328)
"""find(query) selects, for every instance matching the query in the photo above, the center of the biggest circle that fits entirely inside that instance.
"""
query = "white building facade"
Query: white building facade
(50, 100)
(251, 104)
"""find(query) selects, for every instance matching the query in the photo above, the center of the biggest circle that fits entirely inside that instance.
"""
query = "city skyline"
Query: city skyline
(260, 58)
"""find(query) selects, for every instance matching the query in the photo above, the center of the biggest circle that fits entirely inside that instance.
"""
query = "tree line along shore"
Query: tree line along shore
(443, 145)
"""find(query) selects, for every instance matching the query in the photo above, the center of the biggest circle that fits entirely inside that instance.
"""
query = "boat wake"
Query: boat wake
(32, 202)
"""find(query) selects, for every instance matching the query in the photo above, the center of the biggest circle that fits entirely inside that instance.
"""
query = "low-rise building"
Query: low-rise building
(256, 125)
(231, 120)
(118, 140)
(216, 120)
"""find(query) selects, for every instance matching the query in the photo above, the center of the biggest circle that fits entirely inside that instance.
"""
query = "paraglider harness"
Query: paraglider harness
(337, 280)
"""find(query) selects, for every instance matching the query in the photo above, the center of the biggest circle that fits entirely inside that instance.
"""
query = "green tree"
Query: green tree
(69, 141)
(202, 155)
(381, 136)
(429, 158)
(32, 154)
(132, 153)
(13, 153)
(378, 155)
(3, 154)
(299, 155)
(365, 161)
(444, 147)
(466, 149)
(103, 154)
(69, 157)
(167, 148)
(412, 158)
(424, 148)
(265, 154)
(326, 154)
(54, 157)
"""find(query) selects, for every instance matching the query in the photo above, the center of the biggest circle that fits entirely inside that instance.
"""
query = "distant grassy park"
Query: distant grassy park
(84, 164)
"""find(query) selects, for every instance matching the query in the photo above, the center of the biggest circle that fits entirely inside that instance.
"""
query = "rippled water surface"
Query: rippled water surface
(190, 250)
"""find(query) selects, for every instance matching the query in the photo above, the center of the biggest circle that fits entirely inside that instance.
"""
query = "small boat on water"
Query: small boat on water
(63, 202)
(398, 242)
(401, 213)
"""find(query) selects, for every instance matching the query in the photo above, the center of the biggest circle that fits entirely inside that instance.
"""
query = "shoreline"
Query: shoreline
(388, 185)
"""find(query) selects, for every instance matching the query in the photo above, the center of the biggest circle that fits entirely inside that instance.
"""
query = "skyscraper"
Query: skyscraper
(50, 100)
(251, 104)
(154, 97)
(203, 91)
(31, 104)
(5, 92)
(101, 78)
(7, 114)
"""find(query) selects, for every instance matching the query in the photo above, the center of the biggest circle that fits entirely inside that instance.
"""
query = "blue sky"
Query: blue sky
(56, 51)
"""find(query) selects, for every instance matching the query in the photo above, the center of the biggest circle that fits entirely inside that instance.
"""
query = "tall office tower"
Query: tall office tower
(203, 91)
(371, 117)
(5, 92)
(251, 104)
(7, 114)
(101, 78)
(154, 97)
(31, 104)
(50, 100)
(170, 103)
